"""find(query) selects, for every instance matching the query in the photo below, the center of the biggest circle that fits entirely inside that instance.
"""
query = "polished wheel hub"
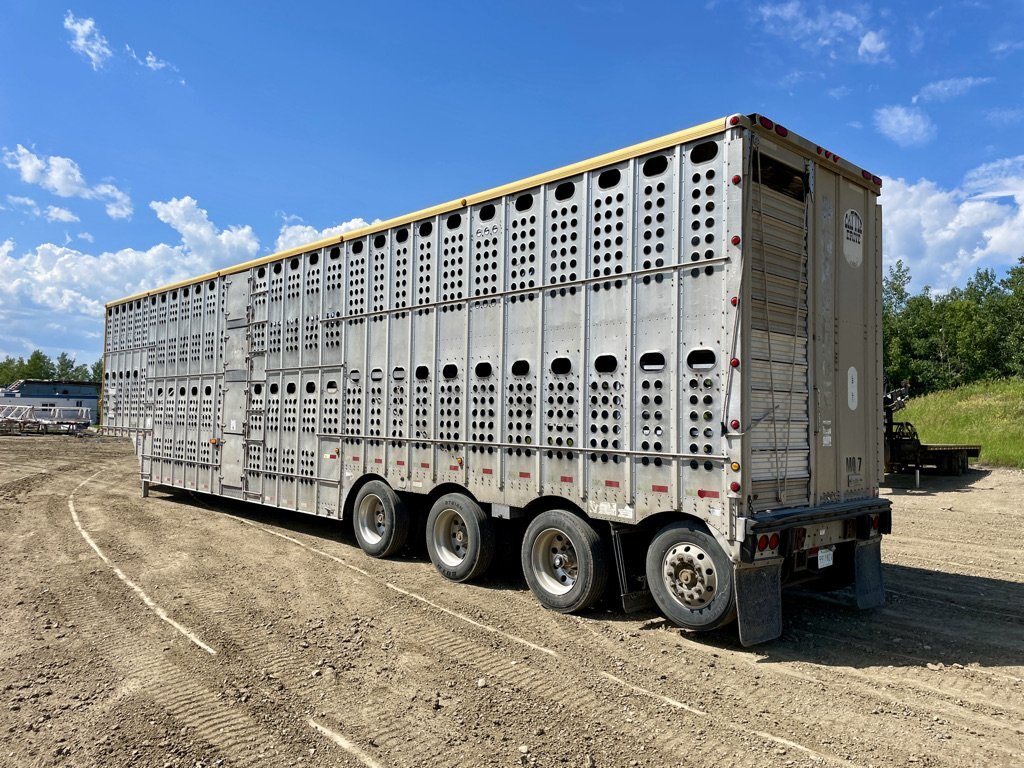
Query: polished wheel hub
(451, 538)
(554, 561)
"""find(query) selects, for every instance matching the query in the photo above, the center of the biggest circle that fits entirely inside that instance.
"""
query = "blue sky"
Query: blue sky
(143, 143)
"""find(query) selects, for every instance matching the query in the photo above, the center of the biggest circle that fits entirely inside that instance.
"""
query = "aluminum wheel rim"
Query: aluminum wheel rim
(554, 561)
(689, 574)
(451, 537)
(371, 519)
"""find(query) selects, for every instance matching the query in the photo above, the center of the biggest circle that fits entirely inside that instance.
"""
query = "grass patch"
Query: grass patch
(989, 414)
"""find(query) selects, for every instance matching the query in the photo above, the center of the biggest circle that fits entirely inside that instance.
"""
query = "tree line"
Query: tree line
(940, 341)
(39, 365)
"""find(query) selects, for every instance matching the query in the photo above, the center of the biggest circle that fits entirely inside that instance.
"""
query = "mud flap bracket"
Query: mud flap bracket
(868, 574)
(629, 547)
(759, 603)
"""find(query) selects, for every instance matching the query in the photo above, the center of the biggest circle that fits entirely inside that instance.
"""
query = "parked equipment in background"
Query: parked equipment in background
(904, 450)
(666, 361)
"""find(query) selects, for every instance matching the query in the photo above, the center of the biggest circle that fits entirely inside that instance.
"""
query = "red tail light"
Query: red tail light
(765, 122)
(773, 542)
(734, 487)
(781, 131)
(762, 543)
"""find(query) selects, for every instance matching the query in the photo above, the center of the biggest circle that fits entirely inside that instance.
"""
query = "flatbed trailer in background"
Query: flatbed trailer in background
(904, 450)
(666, 360)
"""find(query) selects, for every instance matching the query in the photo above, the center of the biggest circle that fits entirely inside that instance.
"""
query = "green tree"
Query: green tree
(10, 370)
(96, 372)
(64, 366)
(38, 366)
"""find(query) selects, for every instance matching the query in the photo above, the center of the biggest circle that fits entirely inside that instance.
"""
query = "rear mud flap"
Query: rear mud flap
(759, 603)
(868, 569)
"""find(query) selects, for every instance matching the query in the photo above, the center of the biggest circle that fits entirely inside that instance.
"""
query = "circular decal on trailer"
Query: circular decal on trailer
(853, 238)
(851, 388)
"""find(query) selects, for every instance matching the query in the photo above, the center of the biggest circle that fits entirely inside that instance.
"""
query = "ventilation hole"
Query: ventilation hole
(701, 359)
(606, 364)
(652, 361)
(609, 179)
(520, 368)
(314, 258)
(454, 221)
(561, 366)
(355, 375)
(195, 391)
(377, 374)
(450, 371)
(422, 373)
(261, 272)
(565, 190)
(159, 391)
(398, 374)
(655, 165)
(703, 152)
(310, 387)
(290, 388)
(487, 212)
(524, 202)
(483, 369)
(426, 228)
(257, 389)
(273, 389)
(332, 387)
(207, 391)
(335, 253)
(199, 289)
(181, 392)
(294, 264)
(357, 246)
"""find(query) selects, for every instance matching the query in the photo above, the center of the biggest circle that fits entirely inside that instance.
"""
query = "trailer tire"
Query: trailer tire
(684, 564)
(380, 519)
(460, 538)
(564, 561)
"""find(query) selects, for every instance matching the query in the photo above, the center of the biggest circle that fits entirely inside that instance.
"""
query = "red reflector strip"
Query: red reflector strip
(612, 483)
(425, 465)
(355, 458)
(487, 471)
(659, 488)
(707, 494)
(524, 474)
(378, 461)
(453, 467)
(400, 462)
(332, 456)
(566, 478)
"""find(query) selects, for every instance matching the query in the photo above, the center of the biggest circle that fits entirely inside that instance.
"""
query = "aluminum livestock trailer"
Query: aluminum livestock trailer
(665, 360)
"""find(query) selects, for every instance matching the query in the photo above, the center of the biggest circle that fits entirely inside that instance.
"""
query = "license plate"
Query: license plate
(824, 558)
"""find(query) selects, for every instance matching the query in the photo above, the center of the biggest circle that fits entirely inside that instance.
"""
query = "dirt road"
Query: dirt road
(158, 632)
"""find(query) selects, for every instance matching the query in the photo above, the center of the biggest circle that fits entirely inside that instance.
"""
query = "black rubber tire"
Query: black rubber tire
(591, 561)
(479, 538)
(716, 612)
(395, 526)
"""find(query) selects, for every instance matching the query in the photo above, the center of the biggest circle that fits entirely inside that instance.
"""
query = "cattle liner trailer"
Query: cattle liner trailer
(665, 360)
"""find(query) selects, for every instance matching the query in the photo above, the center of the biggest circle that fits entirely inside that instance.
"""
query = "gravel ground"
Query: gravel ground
(211, 633)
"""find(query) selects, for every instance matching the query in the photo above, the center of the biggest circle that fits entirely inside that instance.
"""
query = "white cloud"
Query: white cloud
(839, 92)
(944, 90)
(1004, 47)
(150, 60)
(63, 177)
(907, 126)
(25, 204)
(75, 284)
(87, 236)
(87, 40)
(296, 235)
(1003, 115)
(873, 48)
(56, 213)
(819, 29)
(946, 234)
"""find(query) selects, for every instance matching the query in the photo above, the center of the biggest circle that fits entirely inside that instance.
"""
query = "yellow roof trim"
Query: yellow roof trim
(653, 145)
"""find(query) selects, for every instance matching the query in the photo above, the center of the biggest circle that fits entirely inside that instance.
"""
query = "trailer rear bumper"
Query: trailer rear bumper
(859, 513)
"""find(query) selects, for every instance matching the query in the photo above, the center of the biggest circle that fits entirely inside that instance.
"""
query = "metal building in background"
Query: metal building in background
(48, 394)
(667, 358)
